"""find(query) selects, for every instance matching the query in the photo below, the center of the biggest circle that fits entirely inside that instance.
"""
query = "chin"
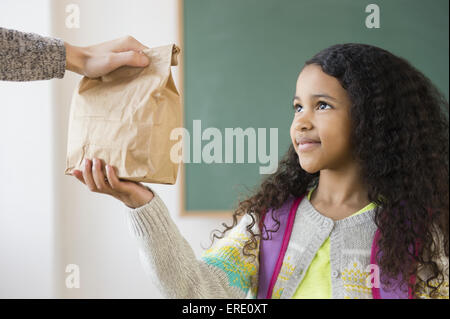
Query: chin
(311, 169)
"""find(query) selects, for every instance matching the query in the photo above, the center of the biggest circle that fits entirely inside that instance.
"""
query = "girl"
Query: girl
(365, 183)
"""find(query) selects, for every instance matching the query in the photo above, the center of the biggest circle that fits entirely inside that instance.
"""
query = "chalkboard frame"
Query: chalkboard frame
(219, 214)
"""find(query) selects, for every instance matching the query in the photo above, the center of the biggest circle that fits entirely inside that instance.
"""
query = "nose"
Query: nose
(303, 122)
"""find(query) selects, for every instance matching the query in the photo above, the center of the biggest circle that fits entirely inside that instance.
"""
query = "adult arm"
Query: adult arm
(30, 57)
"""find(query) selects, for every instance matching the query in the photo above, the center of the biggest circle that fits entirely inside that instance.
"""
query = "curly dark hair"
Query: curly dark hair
(400, 138)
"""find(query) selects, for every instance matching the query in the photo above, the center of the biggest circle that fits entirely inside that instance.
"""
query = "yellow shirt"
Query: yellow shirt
(317, 281)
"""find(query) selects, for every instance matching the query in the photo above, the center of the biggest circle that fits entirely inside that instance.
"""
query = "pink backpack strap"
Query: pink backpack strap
(382, 292)
(275, 246)
(373, 261)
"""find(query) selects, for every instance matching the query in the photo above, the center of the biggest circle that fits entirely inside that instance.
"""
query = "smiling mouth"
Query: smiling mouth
(308, 146)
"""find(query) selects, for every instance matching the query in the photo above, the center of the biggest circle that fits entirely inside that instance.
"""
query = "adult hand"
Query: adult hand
(97, 60)
(131, 194)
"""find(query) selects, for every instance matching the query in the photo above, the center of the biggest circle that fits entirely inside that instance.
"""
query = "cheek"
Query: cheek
(333, 145)
(292, 133)
(335, 139)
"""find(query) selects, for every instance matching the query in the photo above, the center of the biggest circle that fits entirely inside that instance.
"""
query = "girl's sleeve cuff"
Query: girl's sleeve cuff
(144, 219)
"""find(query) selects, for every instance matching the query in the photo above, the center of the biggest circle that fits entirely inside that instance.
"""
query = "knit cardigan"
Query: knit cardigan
(224, 271)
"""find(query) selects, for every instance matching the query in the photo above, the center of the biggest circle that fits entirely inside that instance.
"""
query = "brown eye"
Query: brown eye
(296, 107)
(324, 103)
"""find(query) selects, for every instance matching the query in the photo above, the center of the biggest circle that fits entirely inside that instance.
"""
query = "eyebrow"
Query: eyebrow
(318, 95)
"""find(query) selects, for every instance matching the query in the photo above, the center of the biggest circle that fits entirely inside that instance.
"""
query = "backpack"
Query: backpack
(276, 245)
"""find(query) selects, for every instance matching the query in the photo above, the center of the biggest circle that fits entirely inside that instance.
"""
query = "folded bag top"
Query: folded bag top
(125, 118)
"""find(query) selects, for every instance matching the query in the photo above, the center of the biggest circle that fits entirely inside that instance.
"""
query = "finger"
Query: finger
(130, 58)
(129, 43)
(79, 175)
(99, 177)
(113, 180)
(87, 176)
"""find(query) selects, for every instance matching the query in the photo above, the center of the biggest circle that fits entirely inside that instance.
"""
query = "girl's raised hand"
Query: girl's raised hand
(131, 194)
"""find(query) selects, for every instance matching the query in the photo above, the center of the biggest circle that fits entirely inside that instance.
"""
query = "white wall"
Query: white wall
(68, 224)
(26, 211)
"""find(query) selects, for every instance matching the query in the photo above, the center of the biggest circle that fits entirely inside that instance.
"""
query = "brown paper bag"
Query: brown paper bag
(125, 119)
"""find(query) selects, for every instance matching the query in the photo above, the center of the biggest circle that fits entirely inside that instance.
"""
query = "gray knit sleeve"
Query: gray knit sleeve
(29, 56)
(170, 262)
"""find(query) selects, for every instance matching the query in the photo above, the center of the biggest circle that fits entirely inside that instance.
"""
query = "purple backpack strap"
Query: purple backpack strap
(273, 249)
(382, 292)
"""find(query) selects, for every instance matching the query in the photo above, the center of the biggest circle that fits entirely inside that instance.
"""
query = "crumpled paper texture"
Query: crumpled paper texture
(125, 119)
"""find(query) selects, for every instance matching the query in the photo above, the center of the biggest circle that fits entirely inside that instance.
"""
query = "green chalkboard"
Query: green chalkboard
(242, 59)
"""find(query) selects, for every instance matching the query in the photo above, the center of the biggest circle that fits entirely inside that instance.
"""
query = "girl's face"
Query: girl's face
(322, 114)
